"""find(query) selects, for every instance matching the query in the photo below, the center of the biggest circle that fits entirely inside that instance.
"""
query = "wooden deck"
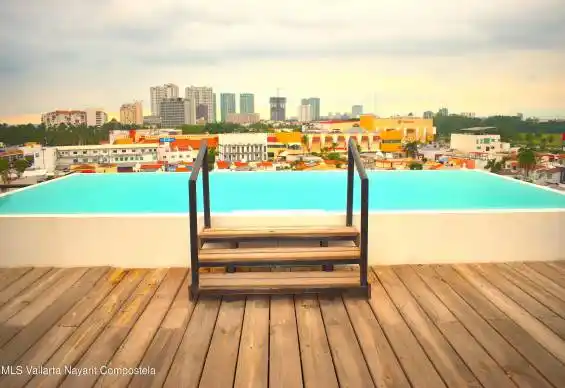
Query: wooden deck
(490, 325)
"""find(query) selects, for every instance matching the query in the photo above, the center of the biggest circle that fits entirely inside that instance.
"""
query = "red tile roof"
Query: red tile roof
(222, 165)
(240, 164)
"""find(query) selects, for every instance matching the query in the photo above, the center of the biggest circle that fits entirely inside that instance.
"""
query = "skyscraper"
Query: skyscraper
(246, 103)
(214, 108)
(159, 93)
(227, 105)
(356, 111)
(204, 99)
(278, 108)
(314, 103)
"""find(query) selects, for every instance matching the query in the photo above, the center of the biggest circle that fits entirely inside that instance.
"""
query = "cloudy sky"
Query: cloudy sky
(392, 56)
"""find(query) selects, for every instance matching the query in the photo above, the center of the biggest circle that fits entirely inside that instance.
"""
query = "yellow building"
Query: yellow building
(284, 144)
(413, 128)
(391, 141)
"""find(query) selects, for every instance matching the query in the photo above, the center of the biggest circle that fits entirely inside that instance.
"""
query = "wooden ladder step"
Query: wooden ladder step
(279, 256)
(269, 283)
(289, 233)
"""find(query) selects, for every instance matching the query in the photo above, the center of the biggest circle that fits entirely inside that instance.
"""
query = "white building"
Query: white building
(472, 142)
(67, 117)
(242, 147)
(132, 114)
(305, 113)
(159, 93)
(120, 154)
(173, 156)
(96, 117)
(203, 97)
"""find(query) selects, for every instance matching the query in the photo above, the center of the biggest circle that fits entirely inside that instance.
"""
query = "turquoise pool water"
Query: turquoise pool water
(168, 193)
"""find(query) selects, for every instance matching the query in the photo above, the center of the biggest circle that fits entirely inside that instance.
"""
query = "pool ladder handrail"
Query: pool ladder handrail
(354, 162)
(201, 163)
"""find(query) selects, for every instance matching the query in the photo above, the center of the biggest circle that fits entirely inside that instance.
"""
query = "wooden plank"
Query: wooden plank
(163, 348)
(286, 274)
(541, 294)
(10, 275)
(139, 338)
(309, 232)
(418, 368)
(497, 281)
(34, 307)
(43, 349)
(80, 338)
(285, 369)
(31, 293)
(538, 279)
(549, 272)
(350, 365)
(188, 362)
(381, 360)
(506, 342)
(22, 283)
(253, 359)
(317, 364)
(447, 362)
(278, 254)
(33, 330)
(278, 279)
(477, 359)
(522, 318)
(109, 341)
(222, 355)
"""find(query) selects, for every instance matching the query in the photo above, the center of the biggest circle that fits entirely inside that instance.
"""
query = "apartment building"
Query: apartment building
(204, 100)
(121, 154)
(177, 111)
(159, 93)
(305, 113)
(247, 103)
(96, 117)
(67, 117)
(227, 105)
(132, 114)
(242, 147)
(243, 118)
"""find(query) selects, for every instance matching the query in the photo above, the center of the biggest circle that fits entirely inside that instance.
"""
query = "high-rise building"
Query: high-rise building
(95, 117)
(131, 114)
(67, 117)
(177, 111)
(203, 97)
(278, 108)
(159, 93)
(227, 105)
(314, 102)
(214, 108)
(443, 112)
(246, 103)
(356, 111)
(428, 114)
(305, 112)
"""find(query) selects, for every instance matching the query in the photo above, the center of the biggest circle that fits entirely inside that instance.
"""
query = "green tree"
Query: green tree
(5, 170)
(415, 166)
(211, 158)
(411, 149)
(333, 146)
(526, 159)
(305, 142)
(20, 166)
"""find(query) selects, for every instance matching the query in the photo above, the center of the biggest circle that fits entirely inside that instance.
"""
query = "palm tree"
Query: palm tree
(4, 170)
(526, 159)
(305, 143)
(411, 149)
(334, 146)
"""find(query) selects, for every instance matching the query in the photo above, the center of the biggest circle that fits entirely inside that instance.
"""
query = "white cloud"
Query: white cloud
(71, 54)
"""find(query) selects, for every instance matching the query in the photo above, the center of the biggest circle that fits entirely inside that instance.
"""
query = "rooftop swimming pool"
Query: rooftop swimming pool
(144, 193)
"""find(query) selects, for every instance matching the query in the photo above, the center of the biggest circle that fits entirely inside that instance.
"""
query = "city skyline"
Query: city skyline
(472, 61)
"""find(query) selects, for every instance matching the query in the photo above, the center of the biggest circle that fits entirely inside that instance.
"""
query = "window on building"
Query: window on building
(75, 153)
(75, 160)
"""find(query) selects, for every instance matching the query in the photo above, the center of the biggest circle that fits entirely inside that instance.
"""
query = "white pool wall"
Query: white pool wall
(162, 240)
